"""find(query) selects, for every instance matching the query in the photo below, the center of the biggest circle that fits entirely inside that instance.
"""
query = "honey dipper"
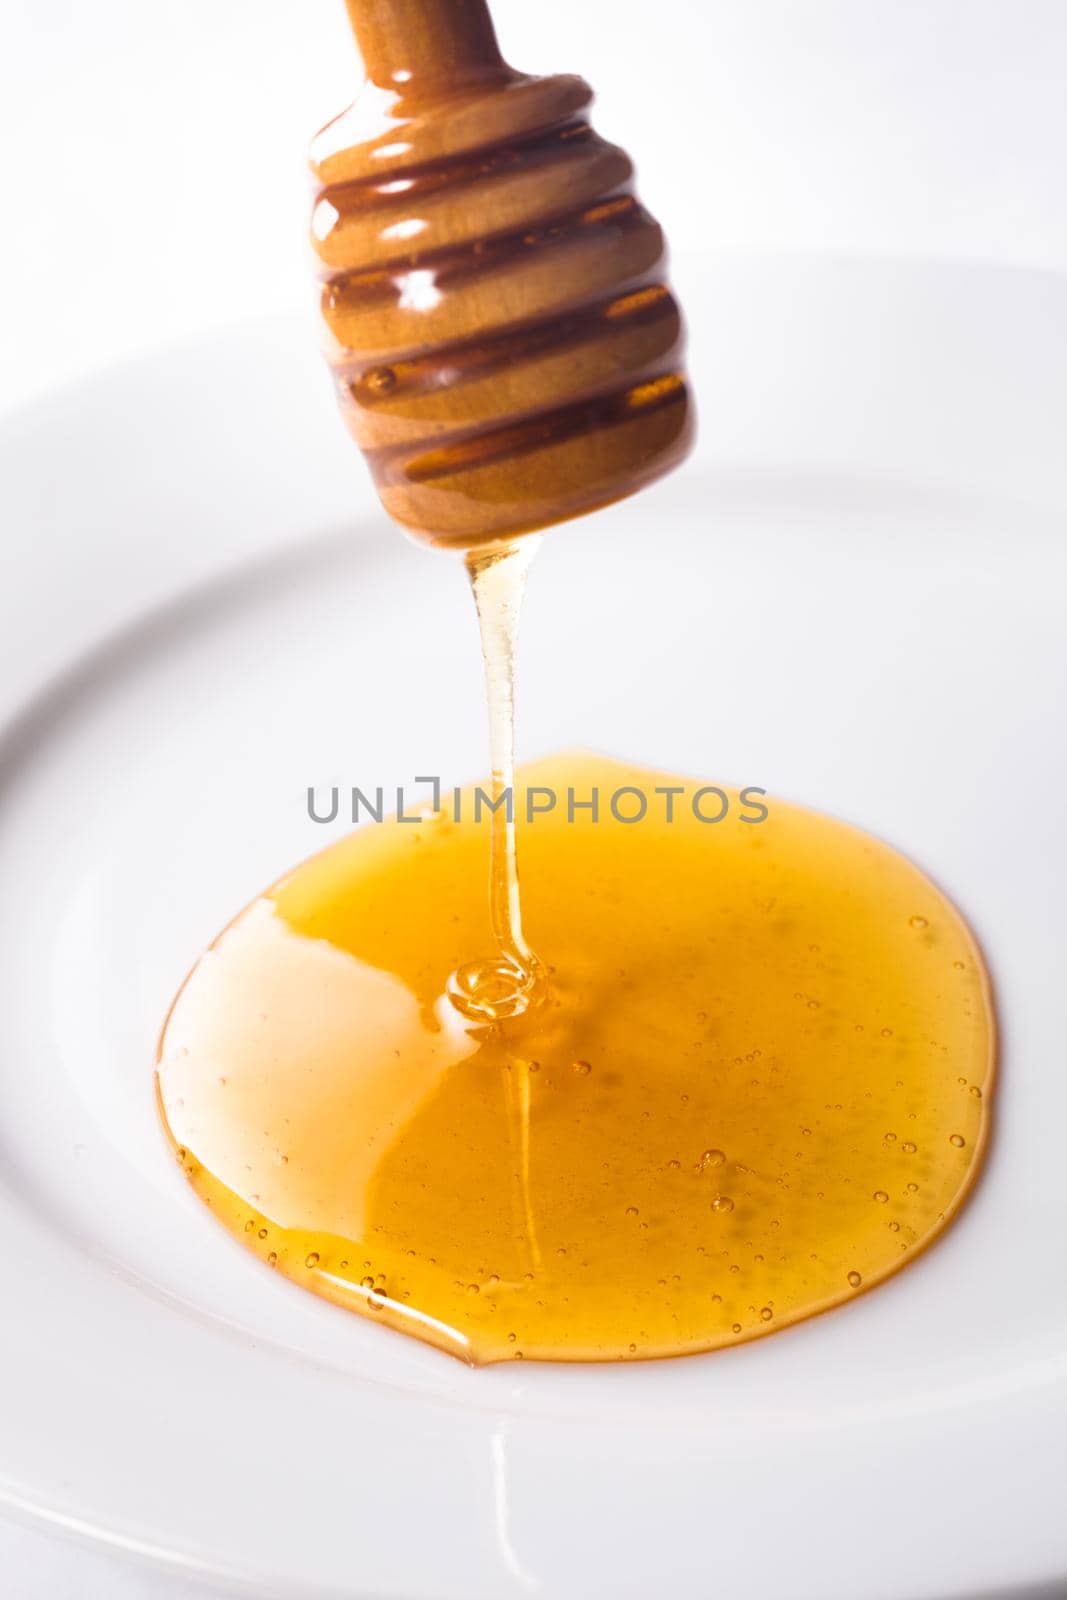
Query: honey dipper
(506, 349)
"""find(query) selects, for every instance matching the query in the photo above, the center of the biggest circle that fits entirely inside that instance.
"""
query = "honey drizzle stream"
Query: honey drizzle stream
(509, 982)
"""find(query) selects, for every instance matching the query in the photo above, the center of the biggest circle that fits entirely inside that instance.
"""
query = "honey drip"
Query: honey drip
(758, 1083)
(509, 982)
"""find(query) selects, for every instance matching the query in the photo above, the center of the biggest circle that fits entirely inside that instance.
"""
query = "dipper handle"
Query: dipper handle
(413, 44)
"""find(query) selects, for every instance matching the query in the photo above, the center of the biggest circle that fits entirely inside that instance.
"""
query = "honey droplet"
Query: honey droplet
(854, 1279)
(381, 380)
(722, 1202)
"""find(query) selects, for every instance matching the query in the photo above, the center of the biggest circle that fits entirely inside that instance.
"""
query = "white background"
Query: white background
(152, 156)
(151, 169)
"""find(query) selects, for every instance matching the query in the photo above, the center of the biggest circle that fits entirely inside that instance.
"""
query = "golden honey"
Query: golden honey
(726, 1063)
(756, 1082)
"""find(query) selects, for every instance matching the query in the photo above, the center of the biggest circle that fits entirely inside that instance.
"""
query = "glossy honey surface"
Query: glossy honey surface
(506, 347)
(757, 1083)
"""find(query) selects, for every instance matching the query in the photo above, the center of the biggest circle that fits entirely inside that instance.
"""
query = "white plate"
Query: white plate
(853, 598)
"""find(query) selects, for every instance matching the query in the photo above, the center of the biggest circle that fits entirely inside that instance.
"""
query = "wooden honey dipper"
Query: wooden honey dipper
(506, 350)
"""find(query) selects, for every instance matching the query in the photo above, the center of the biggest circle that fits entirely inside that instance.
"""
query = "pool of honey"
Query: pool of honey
(757, 1083)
